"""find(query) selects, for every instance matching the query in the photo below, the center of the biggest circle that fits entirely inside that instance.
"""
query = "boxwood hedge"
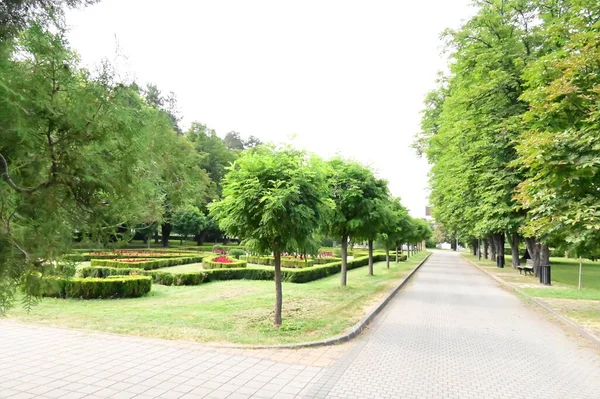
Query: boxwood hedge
(95, 288)
(146, 264)
(270, 261)
(303, 275)
(101, 272)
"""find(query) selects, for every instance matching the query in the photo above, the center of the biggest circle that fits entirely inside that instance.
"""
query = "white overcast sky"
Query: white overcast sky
(342, 76)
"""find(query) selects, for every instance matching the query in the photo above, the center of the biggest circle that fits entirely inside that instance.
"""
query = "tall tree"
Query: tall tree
(234, 141)
(274, 199)
(78, 151)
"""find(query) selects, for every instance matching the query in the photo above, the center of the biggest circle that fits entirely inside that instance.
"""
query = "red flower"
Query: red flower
(222, 259)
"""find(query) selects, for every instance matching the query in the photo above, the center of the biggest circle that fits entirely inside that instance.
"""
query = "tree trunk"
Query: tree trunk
(370, 257)
(533, 247)
(397, 258)
(500, 247)
(407, 250)
(474, 247)
(492, 249)
(387, 257)
(486, 245)
(278, 292)
(513, 240)
(344, 260)
(156, 240)
(166, 233)
(544, 255)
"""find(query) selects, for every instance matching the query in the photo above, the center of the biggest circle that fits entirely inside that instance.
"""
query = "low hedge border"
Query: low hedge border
(270, 261)
(96, 288)
(209, 263)
(146, 265)
(88, 256)
(293, 276)
(101, 272)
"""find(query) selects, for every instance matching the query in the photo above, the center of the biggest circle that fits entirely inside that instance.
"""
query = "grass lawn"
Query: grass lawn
(238, 311)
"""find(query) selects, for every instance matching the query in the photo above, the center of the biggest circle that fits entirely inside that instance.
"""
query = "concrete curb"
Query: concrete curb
(351, 333)
(580, 329)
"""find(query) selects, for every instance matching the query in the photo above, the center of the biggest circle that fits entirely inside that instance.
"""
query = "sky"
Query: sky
(333, 77)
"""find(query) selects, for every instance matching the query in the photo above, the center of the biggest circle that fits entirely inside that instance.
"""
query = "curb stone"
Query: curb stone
(351, 333)
(580, 329)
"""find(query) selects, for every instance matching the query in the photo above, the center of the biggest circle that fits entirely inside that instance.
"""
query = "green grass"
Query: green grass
(565, 276)
(230, 311)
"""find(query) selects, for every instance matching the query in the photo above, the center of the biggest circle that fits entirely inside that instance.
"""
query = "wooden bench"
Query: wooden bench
(527, 267)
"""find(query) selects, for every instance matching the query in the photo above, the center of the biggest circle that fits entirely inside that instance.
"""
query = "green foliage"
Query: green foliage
(236, 253)
(273, 198)
(79, 151)
(102, 272)
(146, 264)
(95, 288)
(209, 263)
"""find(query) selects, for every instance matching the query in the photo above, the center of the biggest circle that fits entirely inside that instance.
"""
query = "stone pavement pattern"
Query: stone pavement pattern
(452, 332)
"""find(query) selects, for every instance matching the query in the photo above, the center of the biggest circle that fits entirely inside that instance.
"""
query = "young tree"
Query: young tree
(274, 199)
(189, 221)
(353, 189)
(391, 233)
(377, 213)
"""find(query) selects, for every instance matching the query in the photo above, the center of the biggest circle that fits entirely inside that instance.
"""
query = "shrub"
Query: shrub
(222, 262)
(93, 288)
(337, 252)
(146, 264)
(322, 261)
(236, 253)
(402, 258)
(100, 272)
(62, 269)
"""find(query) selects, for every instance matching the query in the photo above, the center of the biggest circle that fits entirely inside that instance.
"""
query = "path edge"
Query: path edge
(350, 334)
(579, 328)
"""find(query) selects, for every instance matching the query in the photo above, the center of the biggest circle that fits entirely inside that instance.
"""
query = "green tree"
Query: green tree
(234, 141)
(377, 212)
(355, 191)
(274, 199)
(189, 221)
(393, 231)
(16, 15)
(560, 150)
(215, 157)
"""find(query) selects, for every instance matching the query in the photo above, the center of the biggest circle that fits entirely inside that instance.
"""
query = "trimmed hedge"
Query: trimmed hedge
(303, 275)
(209, 263)
(322, 261)
(101, 272)
(146, 265)
(94, 288)
(130, 254)
(270, 261)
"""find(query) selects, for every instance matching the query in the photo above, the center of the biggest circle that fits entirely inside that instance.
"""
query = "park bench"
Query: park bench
(527, 267)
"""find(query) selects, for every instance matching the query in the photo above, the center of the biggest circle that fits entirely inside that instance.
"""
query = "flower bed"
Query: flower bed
(222, 262)
(145, 263)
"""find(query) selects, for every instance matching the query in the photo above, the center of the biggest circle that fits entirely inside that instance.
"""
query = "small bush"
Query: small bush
(236, 253)
(211, 263)
(337, 252)
(94, 288)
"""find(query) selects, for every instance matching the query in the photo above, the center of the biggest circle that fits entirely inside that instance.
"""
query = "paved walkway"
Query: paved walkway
(452, 332)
